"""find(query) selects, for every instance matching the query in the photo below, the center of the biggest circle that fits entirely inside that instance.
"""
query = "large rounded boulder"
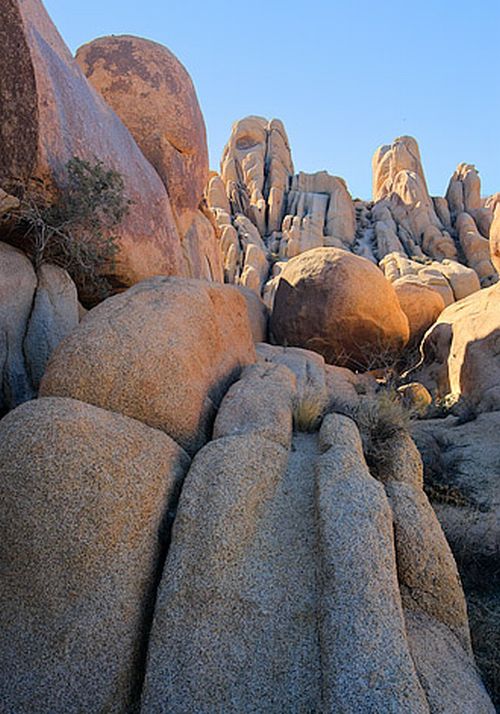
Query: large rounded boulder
(164, 352)
(340, 305)
(154, 96)
(85, 507)
(421, 304)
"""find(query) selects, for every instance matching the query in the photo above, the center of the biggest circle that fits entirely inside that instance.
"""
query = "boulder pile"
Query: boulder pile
(240, 497)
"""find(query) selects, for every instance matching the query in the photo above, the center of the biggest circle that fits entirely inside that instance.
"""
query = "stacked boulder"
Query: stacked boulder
(91, 473)
(156, 142)
(152, 93)
(37, 310)
(435, 250)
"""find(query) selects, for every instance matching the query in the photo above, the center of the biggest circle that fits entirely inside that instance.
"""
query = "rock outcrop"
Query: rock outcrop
(331, 609)
(46, 100)
(460, 352)
(163, 352)
(495, 239)
(339, 305)
(461, 477)
(152, 93)
(84, 514)
(421, 304)
(37, 310)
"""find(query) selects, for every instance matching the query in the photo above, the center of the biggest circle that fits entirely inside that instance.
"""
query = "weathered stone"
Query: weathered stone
(365, 658)
(313, 397)
(46, 100)
(240, 579)
(154, 96)
(460, 352)
(258, 314)
(256, 167)
(17, 290)
(339, 305)
(476, 249)
(320, 212)
(389, 160)
(495, 239)
(446, 672)
(84, 510)
(7, 202)
(420, 303)
(202, 251)
(164, 352)
(54, 315)
(427, 573)
(461, 474)
(260, 403)
(464, 191)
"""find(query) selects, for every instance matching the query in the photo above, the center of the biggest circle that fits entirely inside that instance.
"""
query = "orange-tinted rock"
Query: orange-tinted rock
(421, 304)
(163, 352)
(340, 305)
(50, 113)
(154, 96)
(495, 239)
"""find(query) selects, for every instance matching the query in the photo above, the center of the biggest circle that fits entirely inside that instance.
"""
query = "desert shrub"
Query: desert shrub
(77, 231)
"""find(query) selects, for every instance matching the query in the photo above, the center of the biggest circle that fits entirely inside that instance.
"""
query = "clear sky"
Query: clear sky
(344, 76)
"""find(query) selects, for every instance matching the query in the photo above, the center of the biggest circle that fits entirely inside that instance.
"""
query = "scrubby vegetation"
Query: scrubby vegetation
(77, 231)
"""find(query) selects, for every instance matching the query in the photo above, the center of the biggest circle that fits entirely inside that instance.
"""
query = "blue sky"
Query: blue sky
(343, 76)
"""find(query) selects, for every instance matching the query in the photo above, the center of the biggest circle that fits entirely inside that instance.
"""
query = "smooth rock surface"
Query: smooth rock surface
(339, 305)
(164, 352)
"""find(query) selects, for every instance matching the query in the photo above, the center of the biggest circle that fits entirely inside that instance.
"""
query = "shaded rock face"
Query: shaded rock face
(47, 100)
(460, 352)
(339, 305)
(163, 352)
(84, 512)
(152, 93)
(461, 476)
(37, 310)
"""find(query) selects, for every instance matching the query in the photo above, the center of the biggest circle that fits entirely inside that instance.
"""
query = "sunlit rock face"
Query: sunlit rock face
(152, 93)
(50, 113)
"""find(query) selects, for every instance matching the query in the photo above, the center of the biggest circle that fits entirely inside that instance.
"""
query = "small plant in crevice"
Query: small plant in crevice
(77, 231)
(380, 418)
(308, 413)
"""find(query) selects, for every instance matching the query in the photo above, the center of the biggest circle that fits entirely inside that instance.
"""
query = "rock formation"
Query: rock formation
(295, 603)
(37, 310)
(162, 353)
(84, 513)
(47, 100)
(152, 93)
(460, 351)
(461, 476)
(339, 305)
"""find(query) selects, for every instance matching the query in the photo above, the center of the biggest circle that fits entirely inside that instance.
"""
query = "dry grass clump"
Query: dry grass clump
(308, 412)
(379, 419)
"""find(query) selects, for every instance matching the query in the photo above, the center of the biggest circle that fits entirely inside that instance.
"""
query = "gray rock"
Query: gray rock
(365, 659)
(84, 505)
(17, 290)
(54, 315)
